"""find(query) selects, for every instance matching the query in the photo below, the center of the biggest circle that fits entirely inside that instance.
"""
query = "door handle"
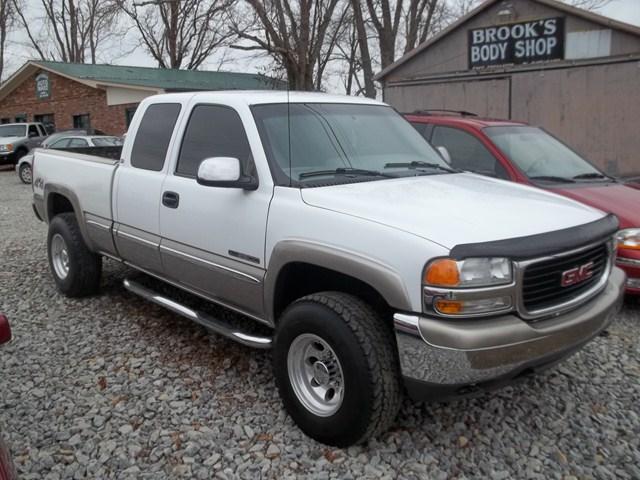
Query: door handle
(170, 199)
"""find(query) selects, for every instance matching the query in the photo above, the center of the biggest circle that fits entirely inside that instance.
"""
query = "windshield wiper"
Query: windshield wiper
(587, 176)
(344, 171)
(420, 164)
(551, 178)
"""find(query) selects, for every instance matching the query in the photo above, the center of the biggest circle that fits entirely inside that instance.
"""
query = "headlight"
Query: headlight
(472, 272)
(628, 239)
(475, 286)
(6, 148)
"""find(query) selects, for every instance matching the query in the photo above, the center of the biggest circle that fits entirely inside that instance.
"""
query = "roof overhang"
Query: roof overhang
(578, 12)
(32, 66)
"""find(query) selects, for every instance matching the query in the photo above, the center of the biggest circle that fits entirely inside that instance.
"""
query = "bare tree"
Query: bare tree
(180, 33)
(297, 34)
(588, 4)
(7, 17)
(73, 30)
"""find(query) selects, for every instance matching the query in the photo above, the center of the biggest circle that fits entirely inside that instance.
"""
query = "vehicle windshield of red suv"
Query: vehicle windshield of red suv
(542, 157)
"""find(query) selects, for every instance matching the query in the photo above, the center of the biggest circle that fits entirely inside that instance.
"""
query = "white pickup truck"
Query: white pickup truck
(376, 267)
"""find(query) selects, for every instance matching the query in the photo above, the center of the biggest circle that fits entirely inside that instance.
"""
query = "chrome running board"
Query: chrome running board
(218, 326)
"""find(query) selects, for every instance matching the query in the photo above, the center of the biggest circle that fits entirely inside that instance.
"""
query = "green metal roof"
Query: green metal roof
(166, 79)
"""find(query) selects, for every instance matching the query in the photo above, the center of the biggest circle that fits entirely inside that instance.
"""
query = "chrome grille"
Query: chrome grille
(542, 281)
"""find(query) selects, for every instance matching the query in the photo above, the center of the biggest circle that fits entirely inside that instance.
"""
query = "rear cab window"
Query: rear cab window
(153, 136)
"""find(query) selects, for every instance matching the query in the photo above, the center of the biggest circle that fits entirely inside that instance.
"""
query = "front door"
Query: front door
(213, 238)
(138, 187)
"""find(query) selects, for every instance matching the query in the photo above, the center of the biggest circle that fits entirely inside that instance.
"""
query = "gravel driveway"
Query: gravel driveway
(113, 387)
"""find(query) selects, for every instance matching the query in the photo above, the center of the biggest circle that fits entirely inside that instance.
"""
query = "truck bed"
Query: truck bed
(88, 178)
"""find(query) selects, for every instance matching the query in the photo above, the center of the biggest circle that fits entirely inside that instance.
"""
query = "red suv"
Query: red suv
(525, 154)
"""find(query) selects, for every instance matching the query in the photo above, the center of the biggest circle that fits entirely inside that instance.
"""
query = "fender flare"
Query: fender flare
(383, 278)
(75, 203)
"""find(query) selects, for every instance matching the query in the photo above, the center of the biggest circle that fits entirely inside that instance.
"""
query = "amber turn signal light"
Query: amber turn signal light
(442, 272)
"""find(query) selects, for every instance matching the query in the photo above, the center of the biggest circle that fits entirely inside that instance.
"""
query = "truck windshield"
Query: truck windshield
(13, 131)
(333, 142)
(542, 157)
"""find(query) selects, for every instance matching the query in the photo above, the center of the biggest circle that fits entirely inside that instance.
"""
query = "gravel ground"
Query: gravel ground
(113, 387)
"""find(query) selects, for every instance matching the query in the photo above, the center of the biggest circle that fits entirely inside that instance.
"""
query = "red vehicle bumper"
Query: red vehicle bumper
(629, 261)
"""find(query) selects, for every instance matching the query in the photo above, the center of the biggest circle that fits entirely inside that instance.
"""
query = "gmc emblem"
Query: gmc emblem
(577, 275)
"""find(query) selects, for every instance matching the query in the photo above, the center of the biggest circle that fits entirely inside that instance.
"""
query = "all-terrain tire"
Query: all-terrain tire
(365, 348)
(83, 267)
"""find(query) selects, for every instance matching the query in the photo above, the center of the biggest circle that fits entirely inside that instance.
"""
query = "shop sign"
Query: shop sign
(522, 42)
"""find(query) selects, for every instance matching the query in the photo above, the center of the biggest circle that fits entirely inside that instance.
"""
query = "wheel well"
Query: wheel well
(298, 279)
(57, 204)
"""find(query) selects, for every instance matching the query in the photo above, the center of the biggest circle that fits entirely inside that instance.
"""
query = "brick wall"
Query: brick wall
(68, 98)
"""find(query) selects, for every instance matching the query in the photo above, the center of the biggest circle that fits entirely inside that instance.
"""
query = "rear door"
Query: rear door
(138, 187)
(213, 237)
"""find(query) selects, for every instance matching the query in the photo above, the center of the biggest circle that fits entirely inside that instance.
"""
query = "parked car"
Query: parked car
(366, 262)
(15, 139)
(7, 468)
(529, 155)
(66, 141)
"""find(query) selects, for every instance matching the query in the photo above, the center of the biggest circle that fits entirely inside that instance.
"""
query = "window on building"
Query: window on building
(21, 118)
(467, 152)
(128, 114)
(5, 120)
(48, 120)
(213, 131)
(153, 136)
(82, 122)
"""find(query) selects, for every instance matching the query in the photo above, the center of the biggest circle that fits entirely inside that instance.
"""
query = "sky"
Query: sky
(623, 10)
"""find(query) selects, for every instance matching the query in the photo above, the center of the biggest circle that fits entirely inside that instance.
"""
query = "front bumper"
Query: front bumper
(7, 158)
(629, 261)
(444, 358)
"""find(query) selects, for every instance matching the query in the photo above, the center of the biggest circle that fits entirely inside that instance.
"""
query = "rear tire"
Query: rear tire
(25, 173)
(336, 368)
(76, 270)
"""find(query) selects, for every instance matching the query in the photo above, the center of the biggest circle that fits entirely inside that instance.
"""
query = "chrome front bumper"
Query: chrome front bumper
(441, 358)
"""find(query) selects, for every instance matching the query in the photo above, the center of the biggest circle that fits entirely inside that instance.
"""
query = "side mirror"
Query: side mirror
(224, 172)
(444, 153)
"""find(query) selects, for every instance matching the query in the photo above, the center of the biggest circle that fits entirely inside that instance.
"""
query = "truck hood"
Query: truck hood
(616, 198)
(454, 209)
(5, 140)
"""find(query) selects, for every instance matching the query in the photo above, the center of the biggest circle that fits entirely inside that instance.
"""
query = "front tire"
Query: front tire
(76, 269)
(336, 368)
(25, 173)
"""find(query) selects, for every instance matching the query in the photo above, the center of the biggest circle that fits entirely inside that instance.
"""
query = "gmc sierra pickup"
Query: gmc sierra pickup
(376, 268)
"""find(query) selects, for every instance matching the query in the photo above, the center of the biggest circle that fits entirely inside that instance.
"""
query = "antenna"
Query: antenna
(289, 128)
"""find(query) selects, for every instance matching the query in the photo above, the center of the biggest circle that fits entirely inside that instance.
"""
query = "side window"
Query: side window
(78, 142)
(62, 143)
(213, 131)
(153, 136)
(33, 131)
(422, 129)
(467, 152)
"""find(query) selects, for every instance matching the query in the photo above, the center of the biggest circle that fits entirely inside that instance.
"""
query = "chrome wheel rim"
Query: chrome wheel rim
(60, 256)
(25, 173)
(315, 374)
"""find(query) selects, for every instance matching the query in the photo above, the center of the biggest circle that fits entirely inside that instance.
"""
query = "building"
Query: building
(573, 72)
(103, 98)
